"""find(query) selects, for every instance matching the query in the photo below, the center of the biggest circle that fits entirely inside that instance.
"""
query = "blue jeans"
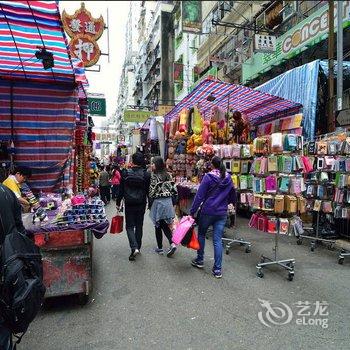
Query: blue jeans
(218, 223)
(5, 338)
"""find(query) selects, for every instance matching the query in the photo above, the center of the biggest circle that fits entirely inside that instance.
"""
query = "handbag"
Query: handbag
(194, 243)
(117, 224)
(186, 224)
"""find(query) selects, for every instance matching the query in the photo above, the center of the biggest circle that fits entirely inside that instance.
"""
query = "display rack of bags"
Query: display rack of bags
(237, 159)
(278, 185)
(328, 189)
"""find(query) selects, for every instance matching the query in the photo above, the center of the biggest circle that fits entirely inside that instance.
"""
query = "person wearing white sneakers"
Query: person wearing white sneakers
(162, 197)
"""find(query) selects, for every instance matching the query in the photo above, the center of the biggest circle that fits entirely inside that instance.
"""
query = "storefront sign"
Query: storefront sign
(343, 117)
(264, 43)
(305, 34)
(97, 106)
(84, 31)
(163, 110)
(131, 116)
(191, 16)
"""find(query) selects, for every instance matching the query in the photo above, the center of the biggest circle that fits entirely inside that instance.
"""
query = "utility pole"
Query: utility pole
(340, 56)
(331, 121)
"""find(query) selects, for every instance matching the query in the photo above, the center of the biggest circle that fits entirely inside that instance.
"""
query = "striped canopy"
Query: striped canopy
(25, 26)
(257, 106)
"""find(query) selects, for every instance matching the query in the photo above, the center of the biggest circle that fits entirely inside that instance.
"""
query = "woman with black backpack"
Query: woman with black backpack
(162, 197)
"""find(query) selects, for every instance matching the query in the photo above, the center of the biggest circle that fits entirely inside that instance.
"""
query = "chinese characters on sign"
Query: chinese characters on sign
(84, 31)
(265, 43)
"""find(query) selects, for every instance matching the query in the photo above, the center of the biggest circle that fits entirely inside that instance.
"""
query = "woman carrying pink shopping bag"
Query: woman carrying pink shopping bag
(215, 193)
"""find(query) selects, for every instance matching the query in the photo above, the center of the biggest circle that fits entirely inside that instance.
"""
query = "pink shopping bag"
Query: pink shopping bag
(182, 228)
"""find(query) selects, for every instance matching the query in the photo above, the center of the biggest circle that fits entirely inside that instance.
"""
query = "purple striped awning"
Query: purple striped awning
(259, 107)
(25, 26)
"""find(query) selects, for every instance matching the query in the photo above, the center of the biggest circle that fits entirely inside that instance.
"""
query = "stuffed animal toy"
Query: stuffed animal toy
(183, 121)
(181, 147)
(197, 121)
(173, 127)
(190, 149)
(171, 150)
(205, 132)
(198, 140)
(214, 130)
(238, 127)
(169, 164)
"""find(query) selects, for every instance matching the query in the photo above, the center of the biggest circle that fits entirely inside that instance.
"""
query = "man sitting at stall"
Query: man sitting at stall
(14, 181)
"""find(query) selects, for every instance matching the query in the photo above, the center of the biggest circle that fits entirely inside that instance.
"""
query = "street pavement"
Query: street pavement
(164, 303)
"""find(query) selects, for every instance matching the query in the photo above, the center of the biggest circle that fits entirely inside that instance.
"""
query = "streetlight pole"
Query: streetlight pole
(340, 56)
(330, 121)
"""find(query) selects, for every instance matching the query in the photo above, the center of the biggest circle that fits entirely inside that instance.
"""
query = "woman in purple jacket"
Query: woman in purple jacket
(215, 193)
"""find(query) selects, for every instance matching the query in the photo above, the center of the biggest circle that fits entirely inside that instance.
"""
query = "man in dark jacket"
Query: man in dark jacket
(134, 189)
(10, 221)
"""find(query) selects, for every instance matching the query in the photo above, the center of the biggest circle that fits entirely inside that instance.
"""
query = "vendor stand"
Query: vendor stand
(42, 120)
(223, 119)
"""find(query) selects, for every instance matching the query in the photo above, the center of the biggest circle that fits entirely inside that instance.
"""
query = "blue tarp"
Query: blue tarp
(299, 85)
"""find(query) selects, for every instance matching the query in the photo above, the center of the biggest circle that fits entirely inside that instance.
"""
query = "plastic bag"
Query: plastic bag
(117, 224)
(182, 228)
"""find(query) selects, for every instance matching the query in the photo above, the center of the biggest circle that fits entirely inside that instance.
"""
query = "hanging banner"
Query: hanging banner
(84, 30)
(131, 116)
(191, 12)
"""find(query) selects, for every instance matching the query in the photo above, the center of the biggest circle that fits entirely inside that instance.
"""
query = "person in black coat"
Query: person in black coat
(134, 188)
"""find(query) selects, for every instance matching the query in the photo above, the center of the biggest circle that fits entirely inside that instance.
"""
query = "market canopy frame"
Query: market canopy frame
(25, 27)
(259, 107)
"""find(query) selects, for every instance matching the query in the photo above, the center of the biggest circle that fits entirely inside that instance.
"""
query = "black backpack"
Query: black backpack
(134, 187)
(21, 288)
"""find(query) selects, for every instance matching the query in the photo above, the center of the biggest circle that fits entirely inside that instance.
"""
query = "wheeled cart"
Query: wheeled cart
(67, 262)
(344, 253)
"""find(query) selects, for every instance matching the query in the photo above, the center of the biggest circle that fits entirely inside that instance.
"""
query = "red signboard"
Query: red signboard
(84, 30)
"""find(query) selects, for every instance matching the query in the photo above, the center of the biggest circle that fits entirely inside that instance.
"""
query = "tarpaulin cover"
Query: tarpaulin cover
(25, 26)
(259, 107)
(300, 85)
(44, 119)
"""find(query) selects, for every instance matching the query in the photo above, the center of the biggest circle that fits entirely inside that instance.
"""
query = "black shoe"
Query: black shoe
(171, 250)
(132, 256)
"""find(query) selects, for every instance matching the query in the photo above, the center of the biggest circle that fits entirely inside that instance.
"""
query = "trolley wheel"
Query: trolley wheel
(260, 274)
(299, 241)
(340, 260)
(248, 249)
(227, 251)
(312, 246)
(83, 299)
(290, 276)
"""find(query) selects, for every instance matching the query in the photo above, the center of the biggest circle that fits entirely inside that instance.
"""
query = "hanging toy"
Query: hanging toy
(197, 121)
(173, 127)
(207, 134)
(183, 121)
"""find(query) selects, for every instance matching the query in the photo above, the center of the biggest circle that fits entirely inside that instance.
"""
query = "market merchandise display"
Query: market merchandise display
(328, 187)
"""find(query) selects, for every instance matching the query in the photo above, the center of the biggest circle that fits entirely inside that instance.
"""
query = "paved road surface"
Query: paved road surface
(162, 303)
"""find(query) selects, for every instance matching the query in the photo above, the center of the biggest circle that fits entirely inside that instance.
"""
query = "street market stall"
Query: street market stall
(43, 117)
(223, 119)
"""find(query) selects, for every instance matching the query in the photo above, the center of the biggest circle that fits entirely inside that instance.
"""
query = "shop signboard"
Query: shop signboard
(163, 110)
(305, 34)
(264, 43)
(84, 31)
(191, 12)
(135, 116)
(343, 117)
(97, 106)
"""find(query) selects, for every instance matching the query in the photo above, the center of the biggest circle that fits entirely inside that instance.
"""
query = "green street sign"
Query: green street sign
(97, 106)
(131, 116)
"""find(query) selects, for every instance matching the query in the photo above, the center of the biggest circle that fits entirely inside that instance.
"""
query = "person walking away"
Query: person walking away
(116, 177)
(105, 189)
(215, 193)
(14, 182)
(10, 221)
(134, 189)
(161, 195)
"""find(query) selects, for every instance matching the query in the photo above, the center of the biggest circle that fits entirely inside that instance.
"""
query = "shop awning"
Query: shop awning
(25, 27)
(259, 107)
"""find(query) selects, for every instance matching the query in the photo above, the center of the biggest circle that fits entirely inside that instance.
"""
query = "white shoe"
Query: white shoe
(136, 252)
